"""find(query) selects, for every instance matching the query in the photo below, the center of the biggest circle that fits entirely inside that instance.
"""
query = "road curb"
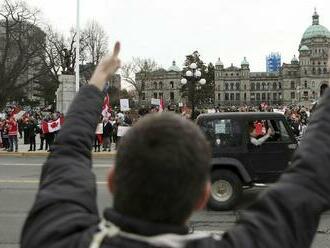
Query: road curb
(45, 154)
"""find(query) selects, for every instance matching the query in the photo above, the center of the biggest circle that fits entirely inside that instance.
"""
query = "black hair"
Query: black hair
(162, 167)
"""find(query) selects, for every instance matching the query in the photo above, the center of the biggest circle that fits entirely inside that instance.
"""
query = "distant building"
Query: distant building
(273, 62)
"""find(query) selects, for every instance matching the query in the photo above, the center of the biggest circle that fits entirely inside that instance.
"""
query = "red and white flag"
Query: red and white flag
(161, 105)
(52, 126)
(106, 107)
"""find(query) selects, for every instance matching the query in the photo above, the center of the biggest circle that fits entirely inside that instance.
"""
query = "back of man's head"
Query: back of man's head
(161, 169)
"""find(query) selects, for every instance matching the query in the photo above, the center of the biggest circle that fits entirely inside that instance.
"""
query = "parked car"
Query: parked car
(236, 162)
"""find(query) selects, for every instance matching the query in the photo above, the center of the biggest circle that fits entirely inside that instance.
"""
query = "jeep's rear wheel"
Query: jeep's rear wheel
(226, 189)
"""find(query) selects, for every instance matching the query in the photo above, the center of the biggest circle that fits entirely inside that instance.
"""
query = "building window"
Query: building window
(268, 96)
(314, 71)
(279, 85)
(172, 96)
(238, 97)
(244, 96)
(232, 95)
(305, 72)
(226, 86)
(219, 96)
(313, 84)
(305, 84)
(252, 96)
(143, 96)
(226, 96)
(237, 86)
(155, 85)
(325, 70)
(293, 95)
(143, 85)
(320, 71)
(252, 86)
(160, 85)
(258, 96)
(155, 95)
(263, 86)
(274, 96)
(244, 86)
(172, 84)
(274, 86)
(263, 96)
(232, 86)
(305, 95)
(258, 86)
(293, 86)
(160, 94)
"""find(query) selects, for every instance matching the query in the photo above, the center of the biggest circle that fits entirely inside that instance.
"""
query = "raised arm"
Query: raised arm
(288, 214)
(66, 200)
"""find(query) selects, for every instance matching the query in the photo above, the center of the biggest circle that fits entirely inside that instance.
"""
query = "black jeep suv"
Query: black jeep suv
(238, 162)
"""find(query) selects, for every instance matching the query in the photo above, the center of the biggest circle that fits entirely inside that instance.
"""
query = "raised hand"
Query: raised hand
(106, 68)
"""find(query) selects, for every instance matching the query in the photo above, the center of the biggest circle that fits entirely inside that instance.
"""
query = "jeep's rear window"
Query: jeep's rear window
(223, 133)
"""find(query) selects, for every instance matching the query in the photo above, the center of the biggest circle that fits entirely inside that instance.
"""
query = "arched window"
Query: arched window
(319, 71)
(305, 72)
(244, 86)
(279, 85)
(258, 86)
(232, 86)
(143, 85)
(160, 85)
(305, 84)
(252, 86)
(226, 86)
(325, 70)
(172, 84)
(155, 85)
(314, 71)
(263, 86)
(274, 86)
(237, 86)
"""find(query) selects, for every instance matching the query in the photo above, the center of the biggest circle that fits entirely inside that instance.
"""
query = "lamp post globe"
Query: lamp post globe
(193, 66)
(183, 81)
(202, 81)
(189, 73)
(198, 73)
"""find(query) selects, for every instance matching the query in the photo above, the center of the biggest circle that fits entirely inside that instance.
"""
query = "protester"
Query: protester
(32, 131)
(98, 136)
(12, 133)
(42, 138)
(160, 179)
(107, 133)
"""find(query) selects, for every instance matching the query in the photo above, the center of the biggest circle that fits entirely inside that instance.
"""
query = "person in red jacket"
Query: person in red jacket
(12, 133)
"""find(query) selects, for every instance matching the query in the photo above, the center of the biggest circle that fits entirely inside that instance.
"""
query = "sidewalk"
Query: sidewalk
(23, 151)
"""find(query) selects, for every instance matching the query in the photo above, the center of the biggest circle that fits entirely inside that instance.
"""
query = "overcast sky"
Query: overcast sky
(167, 30)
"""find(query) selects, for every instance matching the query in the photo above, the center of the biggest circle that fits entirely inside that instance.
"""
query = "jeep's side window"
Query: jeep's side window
(223, 133)
(285, 137)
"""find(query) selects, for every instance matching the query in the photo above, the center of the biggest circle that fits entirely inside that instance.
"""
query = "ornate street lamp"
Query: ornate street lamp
(194, 81)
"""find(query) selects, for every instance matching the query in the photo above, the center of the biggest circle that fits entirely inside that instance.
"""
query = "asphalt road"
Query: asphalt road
(19, 180)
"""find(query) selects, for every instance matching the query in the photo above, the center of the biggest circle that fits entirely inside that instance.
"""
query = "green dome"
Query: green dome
(316, 31)
(304, 48)
(174, 67)
(245, 62)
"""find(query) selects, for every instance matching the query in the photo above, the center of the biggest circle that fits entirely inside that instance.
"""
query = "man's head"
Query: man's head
(162, 169)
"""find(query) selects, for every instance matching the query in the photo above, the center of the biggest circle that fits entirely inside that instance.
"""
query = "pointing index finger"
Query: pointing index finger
(116, 49)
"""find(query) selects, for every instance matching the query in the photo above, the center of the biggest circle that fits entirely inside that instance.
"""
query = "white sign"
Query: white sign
(99, 128)
(155, 101)
(180, 104)
(124, 105)
(220, 128)
(122, 131)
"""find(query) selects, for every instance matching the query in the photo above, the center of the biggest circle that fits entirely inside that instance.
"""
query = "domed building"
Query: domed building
(301, 81)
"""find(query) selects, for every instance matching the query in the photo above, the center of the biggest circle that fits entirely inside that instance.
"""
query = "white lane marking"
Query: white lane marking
(18, 181)
(39, 165)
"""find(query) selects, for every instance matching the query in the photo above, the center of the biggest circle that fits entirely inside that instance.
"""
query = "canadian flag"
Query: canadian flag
(161, 105)
(52, 126)
(106, 107)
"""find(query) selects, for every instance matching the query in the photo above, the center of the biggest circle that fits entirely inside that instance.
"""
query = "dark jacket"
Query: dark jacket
(65, 210)
(107, 129)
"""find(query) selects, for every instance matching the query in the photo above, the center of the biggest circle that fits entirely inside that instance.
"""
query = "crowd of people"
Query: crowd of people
(110, 127)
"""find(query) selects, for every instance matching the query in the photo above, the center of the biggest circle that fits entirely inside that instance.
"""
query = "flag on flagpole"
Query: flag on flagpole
(106, 107)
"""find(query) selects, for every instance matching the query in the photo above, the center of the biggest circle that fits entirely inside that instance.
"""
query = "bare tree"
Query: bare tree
(94, 41)
(20, 49)
(137, 73)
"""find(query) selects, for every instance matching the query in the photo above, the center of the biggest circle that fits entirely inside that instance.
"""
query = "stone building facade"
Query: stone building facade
(162, 84)
(299, 82)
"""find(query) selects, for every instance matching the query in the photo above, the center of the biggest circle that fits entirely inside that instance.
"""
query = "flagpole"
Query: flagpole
(78, 45)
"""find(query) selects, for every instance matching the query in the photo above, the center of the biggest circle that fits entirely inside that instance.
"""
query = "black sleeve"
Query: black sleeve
(66, 201)
(288, 214)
